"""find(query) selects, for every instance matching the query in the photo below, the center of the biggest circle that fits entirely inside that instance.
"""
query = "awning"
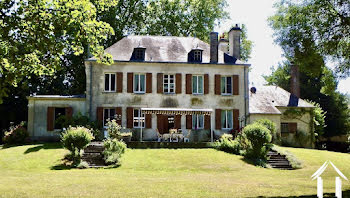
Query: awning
(176, 111)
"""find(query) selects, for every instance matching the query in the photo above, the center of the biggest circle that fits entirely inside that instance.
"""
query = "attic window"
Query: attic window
(139, 54)
(197, 56)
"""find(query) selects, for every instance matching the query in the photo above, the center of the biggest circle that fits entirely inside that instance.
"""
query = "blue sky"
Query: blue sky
(254, 14)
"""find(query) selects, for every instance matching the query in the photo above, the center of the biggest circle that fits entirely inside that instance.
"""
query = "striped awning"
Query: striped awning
(176, 111)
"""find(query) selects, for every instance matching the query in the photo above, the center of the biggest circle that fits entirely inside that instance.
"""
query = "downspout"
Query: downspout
(90, 96)
(246, 96)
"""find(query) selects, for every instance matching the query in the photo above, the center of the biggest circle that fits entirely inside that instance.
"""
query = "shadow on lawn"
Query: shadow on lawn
(43, 146)
(345, 194)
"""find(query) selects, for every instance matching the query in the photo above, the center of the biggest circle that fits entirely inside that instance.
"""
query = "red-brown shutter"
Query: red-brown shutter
(207, 122)
(99, 115)
(218, 118)
(69, 112)
(160, 123)
(217, 84)
(129, 117)
(160, 83)
(118, 111)
(188, 121)
(130, 82)
(177, 121)
(50, 118)
(235, 119)
(148, 120)
(119, 82)
(235, 86)
(188, 83)
(206, 83)
(293, 127)
(149, 83)
(178, 83)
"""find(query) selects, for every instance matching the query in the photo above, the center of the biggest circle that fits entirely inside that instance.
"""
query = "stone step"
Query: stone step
(275, 160)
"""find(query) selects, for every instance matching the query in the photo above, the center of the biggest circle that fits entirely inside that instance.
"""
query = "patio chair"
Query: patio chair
(187, 137)
(159, 136)
(174, 137)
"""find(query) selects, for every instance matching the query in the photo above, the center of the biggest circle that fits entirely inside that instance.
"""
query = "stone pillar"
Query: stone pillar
(223, 45)
(214, 47)
(234, 36)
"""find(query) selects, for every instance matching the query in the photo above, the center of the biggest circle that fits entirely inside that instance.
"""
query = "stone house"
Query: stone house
(157, 83)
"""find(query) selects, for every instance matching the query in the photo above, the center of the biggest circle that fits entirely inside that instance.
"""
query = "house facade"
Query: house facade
(158, 83)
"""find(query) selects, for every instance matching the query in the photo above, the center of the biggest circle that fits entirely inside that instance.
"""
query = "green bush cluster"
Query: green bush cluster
(114, 131)
(16, 135)
(276, 138)
(113, 150)
(227, 144)
(75, 139)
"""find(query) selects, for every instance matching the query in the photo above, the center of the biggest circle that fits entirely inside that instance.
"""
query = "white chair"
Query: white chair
(174, 137)
(187, 137)
(159, 136)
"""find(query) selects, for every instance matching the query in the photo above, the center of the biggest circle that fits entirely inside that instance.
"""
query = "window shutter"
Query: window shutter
(129, 117)
(217, 84)
(50, 118)
(292, 127)
(119, 82)
(235, 119)
(160, 123)
(160, 83)
(235, 86)
(207, 122)
(188, 121)
(206, 83)
(149, 83)
(148, 120)
(217, 118)
(99, 115)
(177, 121)
(130, 82)
(69, 112)
(188, 83)
(118, 111)
(178, 83)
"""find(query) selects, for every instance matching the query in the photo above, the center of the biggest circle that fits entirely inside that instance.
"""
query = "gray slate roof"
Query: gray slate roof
(161, 49)
(267, 98)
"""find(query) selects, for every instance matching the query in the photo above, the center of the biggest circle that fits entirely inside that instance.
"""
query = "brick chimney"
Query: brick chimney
(214, 47)
(294, 83)
(234, 37)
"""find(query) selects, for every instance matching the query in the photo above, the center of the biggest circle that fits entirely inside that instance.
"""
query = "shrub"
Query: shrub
(75, 139)
(259, 138)
(113, 129)
(226, 144)
(16, 134)
(270, 126)
(113, 151)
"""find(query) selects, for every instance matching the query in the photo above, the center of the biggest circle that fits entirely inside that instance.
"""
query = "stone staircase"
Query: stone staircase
(93, 155)
(275, 160)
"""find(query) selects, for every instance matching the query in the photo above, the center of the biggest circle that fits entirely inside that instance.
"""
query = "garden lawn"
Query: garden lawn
(30, 171)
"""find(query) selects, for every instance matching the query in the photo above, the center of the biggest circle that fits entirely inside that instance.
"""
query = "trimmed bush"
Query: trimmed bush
(276, 138)
(16, 135)
(113, 151)
(226, 144)
(259, 138)
(75, 139)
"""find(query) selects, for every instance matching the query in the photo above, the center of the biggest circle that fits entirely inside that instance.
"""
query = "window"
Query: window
(197, 56)
(139, 83)
(59, 112)
(139, 54)
(197, 121)
(284, 128)
(226, 119)
(169, 83)
(108, 113)
(110, 82)
(197, 84)
(139, 119)
(226, 85)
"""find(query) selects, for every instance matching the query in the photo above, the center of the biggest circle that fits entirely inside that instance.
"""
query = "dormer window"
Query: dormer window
(139, 54)
(197, 56)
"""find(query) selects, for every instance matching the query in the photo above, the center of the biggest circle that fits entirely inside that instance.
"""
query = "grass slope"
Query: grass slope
(29, 171)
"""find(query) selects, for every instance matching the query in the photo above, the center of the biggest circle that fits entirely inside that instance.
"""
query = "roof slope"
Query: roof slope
(267, 98)
(161, 49)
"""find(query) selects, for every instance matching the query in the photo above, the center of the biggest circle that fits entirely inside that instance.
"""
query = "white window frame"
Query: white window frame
(227, 120)
(198, 84)
(198, 116)
(226, 93)
(110, 82)
(174, 83)
(109, 113)
(139, 117)
(139, 83)
(197, 56)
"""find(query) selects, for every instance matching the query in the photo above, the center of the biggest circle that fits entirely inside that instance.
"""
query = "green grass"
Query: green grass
(29, 171)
